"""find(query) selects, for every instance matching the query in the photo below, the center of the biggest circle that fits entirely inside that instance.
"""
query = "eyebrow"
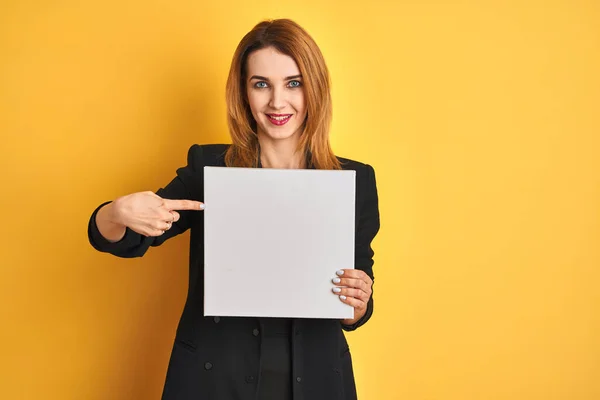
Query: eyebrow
(262, 78)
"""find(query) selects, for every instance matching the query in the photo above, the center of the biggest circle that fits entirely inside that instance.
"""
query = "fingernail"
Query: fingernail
(340, 272)
(336, 280)
(343, 297)
(337, 289)
(202, 206)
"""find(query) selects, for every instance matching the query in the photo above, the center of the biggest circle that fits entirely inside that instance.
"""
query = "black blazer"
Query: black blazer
(218, 358)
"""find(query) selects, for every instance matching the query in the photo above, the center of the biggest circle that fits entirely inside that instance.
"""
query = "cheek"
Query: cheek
(252, 102)
(256, 101)
(300, 103)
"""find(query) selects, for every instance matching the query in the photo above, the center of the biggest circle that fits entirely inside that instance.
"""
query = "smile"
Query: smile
(279, 119)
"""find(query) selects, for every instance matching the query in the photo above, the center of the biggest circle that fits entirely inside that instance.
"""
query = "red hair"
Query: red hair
(290, 39)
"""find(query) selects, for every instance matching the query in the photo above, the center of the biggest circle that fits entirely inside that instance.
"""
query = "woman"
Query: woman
(279, 113)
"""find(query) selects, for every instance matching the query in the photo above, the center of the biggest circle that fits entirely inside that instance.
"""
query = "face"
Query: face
(276, 94)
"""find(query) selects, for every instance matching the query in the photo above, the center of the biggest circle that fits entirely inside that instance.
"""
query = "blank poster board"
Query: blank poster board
(274, 239)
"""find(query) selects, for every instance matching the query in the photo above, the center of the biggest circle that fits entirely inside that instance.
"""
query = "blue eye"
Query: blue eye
(260, 85)
(295, 83)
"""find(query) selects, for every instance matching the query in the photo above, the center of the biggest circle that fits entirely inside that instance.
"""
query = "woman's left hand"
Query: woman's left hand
(354, 287)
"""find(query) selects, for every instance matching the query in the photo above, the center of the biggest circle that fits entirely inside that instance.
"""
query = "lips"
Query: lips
(279, 119)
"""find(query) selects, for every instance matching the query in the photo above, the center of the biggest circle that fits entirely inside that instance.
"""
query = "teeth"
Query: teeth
(279, 118)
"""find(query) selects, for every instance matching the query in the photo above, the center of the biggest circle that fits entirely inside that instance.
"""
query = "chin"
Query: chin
(280, 134)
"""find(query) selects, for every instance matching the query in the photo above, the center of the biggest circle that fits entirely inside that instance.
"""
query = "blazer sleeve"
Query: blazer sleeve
(367, 228)
(188, 184)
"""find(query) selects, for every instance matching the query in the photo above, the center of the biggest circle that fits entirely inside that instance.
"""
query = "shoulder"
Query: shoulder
(201, 155)
(365, 175)
(348, 164)
(363, 170)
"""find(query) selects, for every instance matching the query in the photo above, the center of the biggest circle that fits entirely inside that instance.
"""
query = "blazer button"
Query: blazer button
(249, 379)
(299, 379)
(255, 332)
(217, 319)
(208, 366)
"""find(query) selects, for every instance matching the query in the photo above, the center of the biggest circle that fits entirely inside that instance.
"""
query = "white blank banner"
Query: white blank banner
(274, 239)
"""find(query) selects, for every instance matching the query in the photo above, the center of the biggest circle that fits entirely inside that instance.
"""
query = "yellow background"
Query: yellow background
(481, 119)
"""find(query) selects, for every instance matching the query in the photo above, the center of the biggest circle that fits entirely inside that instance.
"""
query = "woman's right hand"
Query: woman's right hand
(149, 214)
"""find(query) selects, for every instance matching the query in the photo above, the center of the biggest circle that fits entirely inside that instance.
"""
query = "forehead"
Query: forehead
(268, 62)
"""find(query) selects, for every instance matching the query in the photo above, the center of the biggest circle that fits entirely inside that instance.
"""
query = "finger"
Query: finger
(154, 232)
(355, 273)
(353, 283)
(175, 215)
(354, 302)
(160, 226)
(349, 292)
(183, 205)
(167, 216)
(353, 292)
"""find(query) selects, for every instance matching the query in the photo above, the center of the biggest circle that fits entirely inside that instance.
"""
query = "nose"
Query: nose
(277, 101)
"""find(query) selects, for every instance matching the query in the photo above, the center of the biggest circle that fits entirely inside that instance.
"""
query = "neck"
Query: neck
(282, 154)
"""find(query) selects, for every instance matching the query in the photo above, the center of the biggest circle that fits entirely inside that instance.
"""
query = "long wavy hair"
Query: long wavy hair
(289, 38)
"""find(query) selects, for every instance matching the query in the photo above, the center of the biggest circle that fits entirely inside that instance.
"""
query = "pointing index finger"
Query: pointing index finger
(175, 205)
